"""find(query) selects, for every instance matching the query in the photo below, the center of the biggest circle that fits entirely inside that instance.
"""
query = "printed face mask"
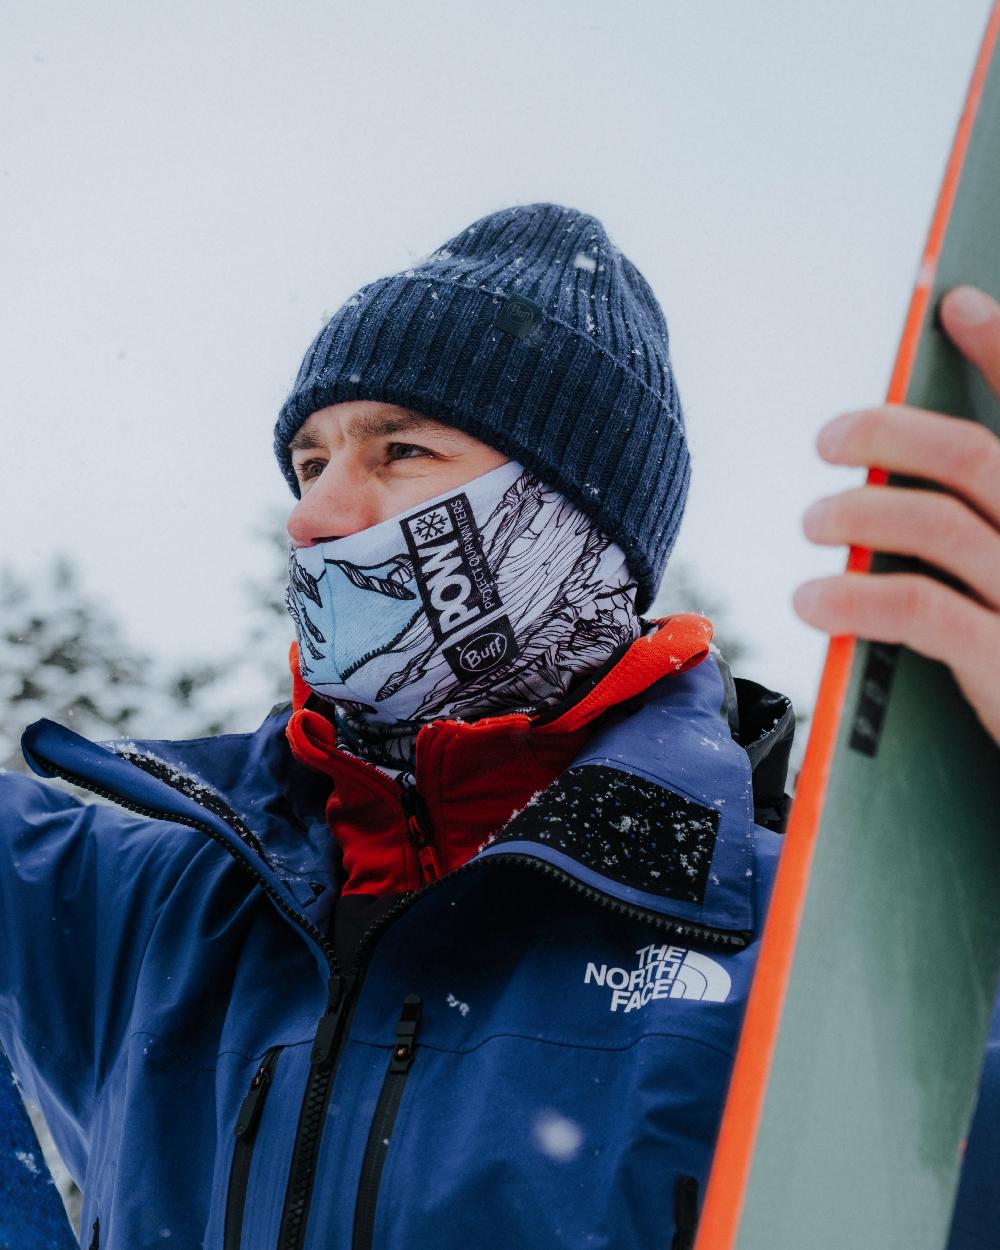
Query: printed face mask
(490, 597)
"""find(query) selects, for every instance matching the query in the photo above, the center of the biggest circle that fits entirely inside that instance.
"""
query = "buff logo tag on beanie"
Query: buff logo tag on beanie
(518, 316)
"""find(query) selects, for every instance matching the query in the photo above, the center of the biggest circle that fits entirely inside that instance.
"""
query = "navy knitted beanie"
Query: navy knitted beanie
(533, 333)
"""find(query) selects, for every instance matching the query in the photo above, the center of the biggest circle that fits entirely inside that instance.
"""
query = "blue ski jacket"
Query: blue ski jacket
(531, 1051)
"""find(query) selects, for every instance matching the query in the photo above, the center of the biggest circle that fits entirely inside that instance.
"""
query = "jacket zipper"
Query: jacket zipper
(419, 835)
(383, 1122)
(686, 929)
(685, 1212)
(326, 1050)
(245, 1131)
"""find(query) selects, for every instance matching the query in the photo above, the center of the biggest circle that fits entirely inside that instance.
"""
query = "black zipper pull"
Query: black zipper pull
(418, 831)
(685, 1212)
(326, 1033)
(406, 1032)
(246, 1121)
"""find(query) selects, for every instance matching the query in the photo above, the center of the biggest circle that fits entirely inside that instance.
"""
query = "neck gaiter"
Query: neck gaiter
(491, 598)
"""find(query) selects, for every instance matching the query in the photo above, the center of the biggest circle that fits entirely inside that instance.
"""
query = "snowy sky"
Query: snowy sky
(189, 188)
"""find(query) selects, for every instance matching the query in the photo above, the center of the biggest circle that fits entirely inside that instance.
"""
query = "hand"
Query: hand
(958, 532)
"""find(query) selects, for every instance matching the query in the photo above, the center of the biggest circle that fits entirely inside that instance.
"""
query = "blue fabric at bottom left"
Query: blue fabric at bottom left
(32, 1216)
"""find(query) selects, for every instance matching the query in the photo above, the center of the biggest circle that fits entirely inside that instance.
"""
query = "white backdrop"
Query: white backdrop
(187, 188)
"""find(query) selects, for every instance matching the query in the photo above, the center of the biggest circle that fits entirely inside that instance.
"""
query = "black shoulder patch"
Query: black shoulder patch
(624, 827)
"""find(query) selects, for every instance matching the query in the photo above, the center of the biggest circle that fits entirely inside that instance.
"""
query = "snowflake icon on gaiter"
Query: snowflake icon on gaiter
(430, 525)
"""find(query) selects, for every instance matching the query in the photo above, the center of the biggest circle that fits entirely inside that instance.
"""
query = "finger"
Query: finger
(972, 320)
(904, 608)
(935, 527)
(920, 614)
(961, 455)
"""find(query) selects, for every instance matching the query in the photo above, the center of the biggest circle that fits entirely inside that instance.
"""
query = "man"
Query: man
(455, 950)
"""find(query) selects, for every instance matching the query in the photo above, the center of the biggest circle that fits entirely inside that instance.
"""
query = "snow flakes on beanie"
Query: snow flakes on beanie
(533, 333)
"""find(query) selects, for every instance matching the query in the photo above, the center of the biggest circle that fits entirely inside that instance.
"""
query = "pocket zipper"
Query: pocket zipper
(245, 1130)
(383, 1121)
(685, 1212)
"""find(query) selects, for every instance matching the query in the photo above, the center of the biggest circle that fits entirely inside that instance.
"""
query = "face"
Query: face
(362, 462)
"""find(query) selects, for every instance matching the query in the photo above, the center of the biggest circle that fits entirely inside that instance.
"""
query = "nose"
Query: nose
(334, 505)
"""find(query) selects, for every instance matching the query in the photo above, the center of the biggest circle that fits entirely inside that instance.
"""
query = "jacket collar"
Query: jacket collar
(633, 787)
(158, 780)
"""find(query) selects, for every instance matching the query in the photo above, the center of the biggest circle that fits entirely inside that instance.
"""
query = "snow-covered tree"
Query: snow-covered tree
(62, 656)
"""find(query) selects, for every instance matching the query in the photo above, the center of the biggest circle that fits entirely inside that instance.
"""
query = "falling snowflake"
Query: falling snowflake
(28, 1159)
(557, 1137)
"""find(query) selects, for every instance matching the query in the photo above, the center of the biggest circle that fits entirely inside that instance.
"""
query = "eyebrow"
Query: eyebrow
(375, 425)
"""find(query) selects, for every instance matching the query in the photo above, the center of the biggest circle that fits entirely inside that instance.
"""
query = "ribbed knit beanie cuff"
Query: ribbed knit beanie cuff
(531, 332)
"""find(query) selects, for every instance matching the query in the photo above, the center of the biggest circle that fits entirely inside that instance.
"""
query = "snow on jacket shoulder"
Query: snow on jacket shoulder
(532, 1051)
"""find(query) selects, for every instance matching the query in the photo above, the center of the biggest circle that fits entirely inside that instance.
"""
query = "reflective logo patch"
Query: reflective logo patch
(661, 972)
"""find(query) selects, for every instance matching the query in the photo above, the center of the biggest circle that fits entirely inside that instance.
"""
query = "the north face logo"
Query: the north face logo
(661, 972)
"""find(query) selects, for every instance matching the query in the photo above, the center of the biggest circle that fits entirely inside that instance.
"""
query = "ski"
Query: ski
(857, 1071)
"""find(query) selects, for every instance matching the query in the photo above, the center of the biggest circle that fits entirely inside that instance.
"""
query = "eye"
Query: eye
(306, 470)
(406, 451)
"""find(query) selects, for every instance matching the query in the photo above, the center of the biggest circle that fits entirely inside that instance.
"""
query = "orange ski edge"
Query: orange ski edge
(923, 288)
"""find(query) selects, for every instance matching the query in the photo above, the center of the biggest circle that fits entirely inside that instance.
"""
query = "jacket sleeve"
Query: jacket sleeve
(80, 888)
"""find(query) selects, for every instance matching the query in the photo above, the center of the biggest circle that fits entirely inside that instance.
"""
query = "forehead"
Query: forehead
(364, 420)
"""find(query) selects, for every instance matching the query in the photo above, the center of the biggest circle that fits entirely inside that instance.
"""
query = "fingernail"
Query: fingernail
(969, 306)
(813, 515)
(805, 598)
(831, 437)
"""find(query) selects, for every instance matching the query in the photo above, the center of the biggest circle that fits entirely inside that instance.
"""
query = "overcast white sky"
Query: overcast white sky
(188, 189)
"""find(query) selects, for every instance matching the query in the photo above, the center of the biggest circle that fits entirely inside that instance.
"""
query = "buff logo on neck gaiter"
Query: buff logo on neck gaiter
(489, 597)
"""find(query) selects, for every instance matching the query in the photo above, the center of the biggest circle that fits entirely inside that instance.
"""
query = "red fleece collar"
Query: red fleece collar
(471, 777)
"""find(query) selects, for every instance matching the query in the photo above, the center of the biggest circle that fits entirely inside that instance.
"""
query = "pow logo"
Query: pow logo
(456, 585)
